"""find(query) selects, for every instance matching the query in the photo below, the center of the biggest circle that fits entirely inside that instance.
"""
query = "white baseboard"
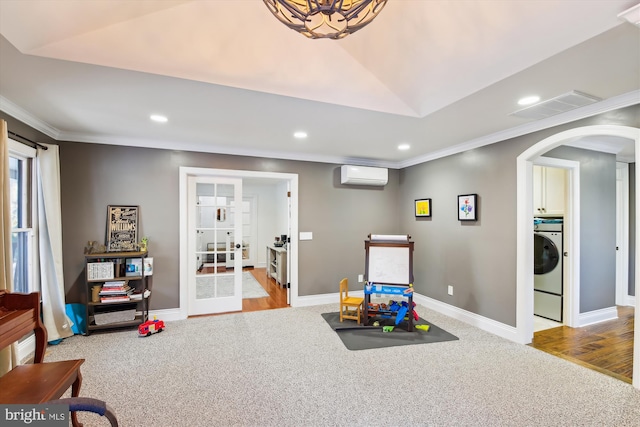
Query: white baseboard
(489, 325)
(480, 322)
(597, 316)
(168, 315)
(311, 300)
(630, 301)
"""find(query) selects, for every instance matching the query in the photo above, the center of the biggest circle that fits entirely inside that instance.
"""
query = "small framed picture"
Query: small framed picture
(468, 207)
(423, 207)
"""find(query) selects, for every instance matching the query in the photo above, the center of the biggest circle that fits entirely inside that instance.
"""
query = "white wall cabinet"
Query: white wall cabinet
(548, 191)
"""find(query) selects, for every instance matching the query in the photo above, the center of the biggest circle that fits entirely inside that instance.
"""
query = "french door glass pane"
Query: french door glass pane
(215, 240)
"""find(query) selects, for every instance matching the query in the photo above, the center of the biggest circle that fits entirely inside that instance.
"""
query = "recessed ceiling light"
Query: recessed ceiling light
(158, 118)
(528, 100)
(404, 147)
(300, 135)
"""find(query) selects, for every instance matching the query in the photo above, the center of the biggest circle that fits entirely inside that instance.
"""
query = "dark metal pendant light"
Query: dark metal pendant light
(333, 19)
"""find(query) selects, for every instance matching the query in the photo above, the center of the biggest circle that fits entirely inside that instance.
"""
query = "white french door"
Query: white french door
(249, 233)
(214, 265)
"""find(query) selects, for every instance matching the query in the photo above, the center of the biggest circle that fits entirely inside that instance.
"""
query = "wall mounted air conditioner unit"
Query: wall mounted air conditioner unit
(363, 175)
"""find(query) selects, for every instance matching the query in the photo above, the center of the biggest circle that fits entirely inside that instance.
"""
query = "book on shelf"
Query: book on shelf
(114, 298)
(99, 270)
(133, 267)
(148, 266)
(115, 283)
(120, 291)
(138, 295)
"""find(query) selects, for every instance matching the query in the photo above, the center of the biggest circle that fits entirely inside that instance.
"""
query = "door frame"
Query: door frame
(622, 234)
(524, 232)
(570, 237)
(292, 247)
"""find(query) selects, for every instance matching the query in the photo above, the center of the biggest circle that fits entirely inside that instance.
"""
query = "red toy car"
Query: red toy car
(151, 327)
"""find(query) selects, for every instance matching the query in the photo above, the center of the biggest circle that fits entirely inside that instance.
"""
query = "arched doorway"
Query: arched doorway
(524, 276)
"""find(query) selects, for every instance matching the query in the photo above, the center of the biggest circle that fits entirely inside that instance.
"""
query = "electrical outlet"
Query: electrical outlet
(360, 278)
(450, 290)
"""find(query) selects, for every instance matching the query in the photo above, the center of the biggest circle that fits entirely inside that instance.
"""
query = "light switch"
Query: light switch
(306, 235)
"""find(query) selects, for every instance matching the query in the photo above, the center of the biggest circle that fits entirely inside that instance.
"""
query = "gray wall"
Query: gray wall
(477, 259)
(597, 226)
(94, 176)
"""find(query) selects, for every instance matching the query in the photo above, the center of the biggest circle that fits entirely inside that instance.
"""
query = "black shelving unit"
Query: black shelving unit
(101, 268)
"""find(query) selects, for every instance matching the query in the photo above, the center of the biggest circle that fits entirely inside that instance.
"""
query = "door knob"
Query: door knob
(565, 254)
(237, 245)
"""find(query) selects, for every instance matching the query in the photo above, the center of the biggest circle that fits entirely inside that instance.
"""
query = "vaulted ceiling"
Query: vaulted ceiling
(441, 76)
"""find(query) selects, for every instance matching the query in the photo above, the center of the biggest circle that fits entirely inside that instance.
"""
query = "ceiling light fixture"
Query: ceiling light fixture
(300, 135)
(158, 118)
(404, 147)
(528, 100)
(332, 19)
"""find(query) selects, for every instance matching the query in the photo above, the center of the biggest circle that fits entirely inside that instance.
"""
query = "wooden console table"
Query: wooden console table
(38, 382)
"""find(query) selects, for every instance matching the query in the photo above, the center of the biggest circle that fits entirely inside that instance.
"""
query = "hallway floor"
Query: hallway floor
(606, 347)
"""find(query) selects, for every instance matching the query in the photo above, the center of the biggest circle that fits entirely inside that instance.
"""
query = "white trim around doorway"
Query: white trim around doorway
(186, 172)
(524, 233)
(571, 239)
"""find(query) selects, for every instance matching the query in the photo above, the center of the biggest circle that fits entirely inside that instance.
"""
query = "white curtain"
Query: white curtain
(50, 244)
(7, 355)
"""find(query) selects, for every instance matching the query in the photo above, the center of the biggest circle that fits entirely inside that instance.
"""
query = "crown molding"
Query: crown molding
(27, 118)
(208, 148)
(621, 101)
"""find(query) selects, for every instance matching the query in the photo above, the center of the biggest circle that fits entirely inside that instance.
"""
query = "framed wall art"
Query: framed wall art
(468, 207)
(423, 207)
(122, 228)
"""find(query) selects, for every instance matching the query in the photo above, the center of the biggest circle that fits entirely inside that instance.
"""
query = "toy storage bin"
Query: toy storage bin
(108, 317)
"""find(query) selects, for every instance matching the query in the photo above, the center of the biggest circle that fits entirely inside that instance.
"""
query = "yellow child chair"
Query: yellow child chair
(347, 303)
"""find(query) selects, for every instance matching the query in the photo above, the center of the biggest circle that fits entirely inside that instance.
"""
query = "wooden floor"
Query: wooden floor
(606, 347)
(277, 296)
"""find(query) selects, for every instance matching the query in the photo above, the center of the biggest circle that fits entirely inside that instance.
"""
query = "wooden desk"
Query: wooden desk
(38, 382)
(41, 382)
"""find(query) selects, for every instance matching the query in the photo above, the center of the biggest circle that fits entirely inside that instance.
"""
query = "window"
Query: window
(22, 192)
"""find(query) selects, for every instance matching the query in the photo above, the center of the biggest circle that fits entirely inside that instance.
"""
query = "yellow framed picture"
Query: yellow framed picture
(423, 207)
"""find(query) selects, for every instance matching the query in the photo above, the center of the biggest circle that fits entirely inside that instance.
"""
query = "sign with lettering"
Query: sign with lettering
(122, 228)
(43, 415)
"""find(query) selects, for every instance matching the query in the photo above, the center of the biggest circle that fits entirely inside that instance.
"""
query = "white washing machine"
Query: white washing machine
(547, 268)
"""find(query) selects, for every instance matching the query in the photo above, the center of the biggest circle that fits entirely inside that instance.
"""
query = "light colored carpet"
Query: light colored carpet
(205, 286)
(287, 367)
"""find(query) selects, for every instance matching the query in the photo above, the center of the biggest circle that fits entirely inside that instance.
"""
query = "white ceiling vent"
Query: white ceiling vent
(557, 105)
(363, 175)
(632, 15)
